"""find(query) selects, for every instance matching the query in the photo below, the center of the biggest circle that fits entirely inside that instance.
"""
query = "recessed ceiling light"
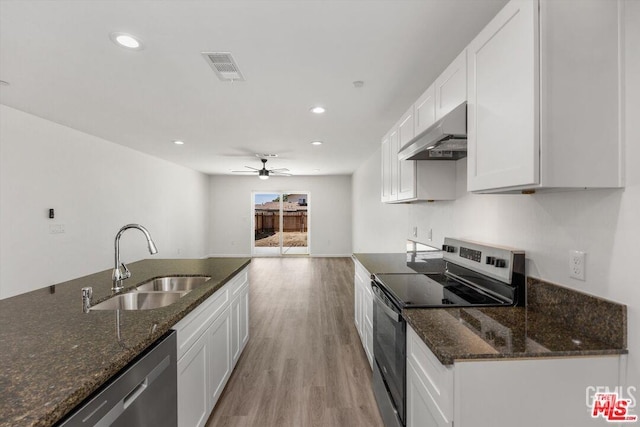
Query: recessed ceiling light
(126, 40)
(178, 142)
(4, 83)
(316, 142)
(317, 110)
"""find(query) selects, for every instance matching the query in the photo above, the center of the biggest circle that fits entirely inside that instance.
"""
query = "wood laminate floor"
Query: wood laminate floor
(304, 364)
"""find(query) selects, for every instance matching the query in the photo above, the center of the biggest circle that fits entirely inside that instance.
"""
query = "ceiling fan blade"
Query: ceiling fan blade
(243, 171)
(279, 170)
(280, 173)
(249, 167)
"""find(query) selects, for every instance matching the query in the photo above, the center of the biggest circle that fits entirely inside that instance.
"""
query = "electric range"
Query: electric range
(464, 274)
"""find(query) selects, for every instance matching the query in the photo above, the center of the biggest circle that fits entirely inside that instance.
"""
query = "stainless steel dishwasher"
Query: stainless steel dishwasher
(144, 393)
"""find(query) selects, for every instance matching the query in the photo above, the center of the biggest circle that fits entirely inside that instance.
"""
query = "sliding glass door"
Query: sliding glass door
(280, 223)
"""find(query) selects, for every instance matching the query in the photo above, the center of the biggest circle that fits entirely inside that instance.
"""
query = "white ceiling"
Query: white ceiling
(62, 66)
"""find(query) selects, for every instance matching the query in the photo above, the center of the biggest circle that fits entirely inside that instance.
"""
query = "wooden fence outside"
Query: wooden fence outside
(270, 221)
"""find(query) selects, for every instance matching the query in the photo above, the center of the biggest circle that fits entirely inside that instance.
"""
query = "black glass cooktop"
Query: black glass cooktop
(433, 290)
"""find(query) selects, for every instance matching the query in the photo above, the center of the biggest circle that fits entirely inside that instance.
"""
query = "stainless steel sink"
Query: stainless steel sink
(139, 301)
(173, 283)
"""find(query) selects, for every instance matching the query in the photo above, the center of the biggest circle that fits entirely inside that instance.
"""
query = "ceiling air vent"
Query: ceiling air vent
(223, 65)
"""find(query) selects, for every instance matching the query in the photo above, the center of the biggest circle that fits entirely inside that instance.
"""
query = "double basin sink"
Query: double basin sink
(156, 293)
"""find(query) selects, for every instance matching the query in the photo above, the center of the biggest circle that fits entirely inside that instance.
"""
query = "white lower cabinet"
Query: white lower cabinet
(210, 341)
(219, 355)
(505, 392)
(193, 379)
(240, 316)
(363, 307)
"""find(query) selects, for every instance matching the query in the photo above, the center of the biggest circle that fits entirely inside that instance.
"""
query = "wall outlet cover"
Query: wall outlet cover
(577, 264)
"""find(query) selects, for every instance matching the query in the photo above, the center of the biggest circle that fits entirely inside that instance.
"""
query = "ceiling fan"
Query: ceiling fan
(264, 173)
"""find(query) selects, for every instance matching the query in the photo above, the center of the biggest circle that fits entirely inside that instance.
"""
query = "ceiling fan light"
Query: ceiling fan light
(263, 174)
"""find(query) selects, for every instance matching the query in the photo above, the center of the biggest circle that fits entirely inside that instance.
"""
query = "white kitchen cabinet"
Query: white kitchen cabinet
(425, 110)
(210, 340)
(363, 306)
(194, 376)
(451, 86)
(240, 316)
(544, 97)
(394, 147)
(410, 180)
(493, 393)
(219, 355)
(429, 386)
(406, 168)
(385, 193)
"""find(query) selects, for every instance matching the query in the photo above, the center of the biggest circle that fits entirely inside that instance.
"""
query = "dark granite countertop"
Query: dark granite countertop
(557, 322)
(52, 355)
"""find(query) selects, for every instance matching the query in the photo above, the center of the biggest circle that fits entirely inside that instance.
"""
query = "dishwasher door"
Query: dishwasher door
(144, 393)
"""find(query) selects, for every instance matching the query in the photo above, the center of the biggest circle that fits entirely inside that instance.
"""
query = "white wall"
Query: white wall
(376, 226)
(603, 223)
(95, 187)
(329, 216)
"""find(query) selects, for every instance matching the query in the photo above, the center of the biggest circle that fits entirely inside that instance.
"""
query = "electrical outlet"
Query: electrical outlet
(415, 231)
(430, 234)
(577, 264)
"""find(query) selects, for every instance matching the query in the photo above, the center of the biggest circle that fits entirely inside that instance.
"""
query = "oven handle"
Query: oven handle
(383, 305)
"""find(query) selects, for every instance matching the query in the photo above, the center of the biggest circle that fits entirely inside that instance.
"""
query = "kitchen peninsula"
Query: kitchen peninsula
(54, 355)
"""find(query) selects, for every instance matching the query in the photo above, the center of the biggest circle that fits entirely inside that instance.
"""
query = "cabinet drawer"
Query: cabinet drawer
(196, 322)
(235, 285)
(437, 378)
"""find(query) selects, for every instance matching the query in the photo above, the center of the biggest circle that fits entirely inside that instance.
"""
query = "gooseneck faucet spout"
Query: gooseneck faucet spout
(120, 271)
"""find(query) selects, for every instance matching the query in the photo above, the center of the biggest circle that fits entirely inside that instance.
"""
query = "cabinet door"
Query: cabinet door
(420, 407)
(239, 323)
(193, 379)
(394, 147)
(425, 110)
(219, 335)
(406, 168)
(451, 86)
(386, 170)
(503, 100)
(235, 329)
(358, 306)
(244, 318)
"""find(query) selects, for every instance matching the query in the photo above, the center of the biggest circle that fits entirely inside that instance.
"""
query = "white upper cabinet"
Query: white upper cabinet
(385, 195)
(451, 86)
(544, 97)
(394, 146)
(406, 168)
(425, 110)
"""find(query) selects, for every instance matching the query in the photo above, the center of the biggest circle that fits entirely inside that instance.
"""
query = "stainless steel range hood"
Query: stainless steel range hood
(446, 139)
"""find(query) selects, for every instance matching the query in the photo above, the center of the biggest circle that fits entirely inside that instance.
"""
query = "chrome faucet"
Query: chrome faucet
(120, 271)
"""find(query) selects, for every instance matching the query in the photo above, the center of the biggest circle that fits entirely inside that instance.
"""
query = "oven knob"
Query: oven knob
(491, 260)
(500, 263)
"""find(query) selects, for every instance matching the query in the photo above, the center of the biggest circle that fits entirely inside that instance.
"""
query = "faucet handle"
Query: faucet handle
(126, 273)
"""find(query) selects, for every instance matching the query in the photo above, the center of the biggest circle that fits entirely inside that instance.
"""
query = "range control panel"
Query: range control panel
(493, 261)
(471, 254)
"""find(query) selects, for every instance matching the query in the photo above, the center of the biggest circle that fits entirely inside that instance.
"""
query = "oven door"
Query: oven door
(389, 348)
